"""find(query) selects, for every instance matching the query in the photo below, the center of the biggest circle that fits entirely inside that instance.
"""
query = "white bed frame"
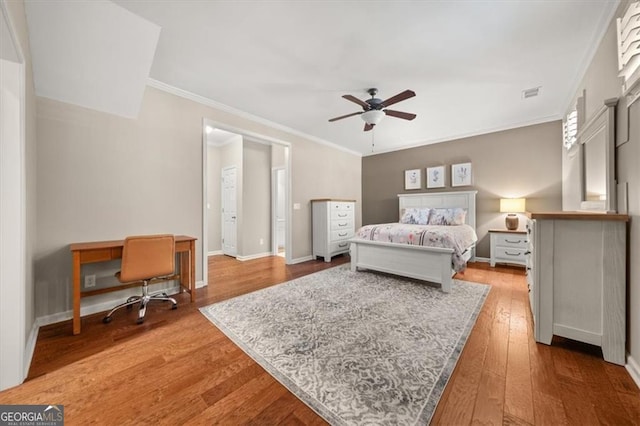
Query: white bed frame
(431, 264)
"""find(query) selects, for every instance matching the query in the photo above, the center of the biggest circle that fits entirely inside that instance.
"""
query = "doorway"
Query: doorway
(281, 159)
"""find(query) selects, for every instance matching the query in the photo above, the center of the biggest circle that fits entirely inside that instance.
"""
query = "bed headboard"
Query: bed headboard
(443, 200)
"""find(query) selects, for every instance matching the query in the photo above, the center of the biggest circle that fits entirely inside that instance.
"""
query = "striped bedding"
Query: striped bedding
(459, 237)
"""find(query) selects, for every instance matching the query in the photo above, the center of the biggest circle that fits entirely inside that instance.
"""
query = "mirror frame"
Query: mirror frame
(603, 121)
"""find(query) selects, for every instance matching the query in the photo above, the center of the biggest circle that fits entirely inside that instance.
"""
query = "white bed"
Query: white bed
(431, 264)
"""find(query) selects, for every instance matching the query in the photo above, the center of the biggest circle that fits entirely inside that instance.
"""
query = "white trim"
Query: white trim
(205, 203)
(300, 260)
(254, 256)
(99, 307)
(30, 346)
(226, 108)
(480, 132)
(214, 253)
(482, 259)
(14, 266)
(633, 368)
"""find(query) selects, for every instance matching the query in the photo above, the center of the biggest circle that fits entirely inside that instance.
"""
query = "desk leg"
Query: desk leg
(188, 270)
(76, 292)
(192, 270)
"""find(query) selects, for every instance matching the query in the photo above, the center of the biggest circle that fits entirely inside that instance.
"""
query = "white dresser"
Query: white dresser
(333, 225)
(509, 247)
(577, 279)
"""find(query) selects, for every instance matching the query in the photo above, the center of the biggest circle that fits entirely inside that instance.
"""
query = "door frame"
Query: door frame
(288, 210)
(13, 218)
(274, 209)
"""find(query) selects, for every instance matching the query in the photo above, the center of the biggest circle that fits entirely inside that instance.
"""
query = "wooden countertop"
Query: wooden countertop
(578, 215)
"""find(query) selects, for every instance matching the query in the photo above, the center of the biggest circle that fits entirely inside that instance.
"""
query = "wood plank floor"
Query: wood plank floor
(177, 368)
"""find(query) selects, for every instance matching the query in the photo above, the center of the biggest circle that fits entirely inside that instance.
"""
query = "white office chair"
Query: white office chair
(146, 258)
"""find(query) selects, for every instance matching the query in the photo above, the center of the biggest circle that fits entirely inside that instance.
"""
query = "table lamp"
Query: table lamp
(511, 206)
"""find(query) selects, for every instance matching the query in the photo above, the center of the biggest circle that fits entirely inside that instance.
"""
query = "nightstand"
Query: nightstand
(509, 247)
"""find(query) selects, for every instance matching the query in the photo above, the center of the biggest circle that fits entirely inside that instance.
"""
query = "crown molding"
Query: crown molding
(242, 114)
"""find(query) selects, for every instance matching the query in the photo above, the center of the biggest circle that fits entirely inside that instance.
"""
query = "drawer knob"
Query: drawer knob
(511, 254)
(512, 242)
(527, 252)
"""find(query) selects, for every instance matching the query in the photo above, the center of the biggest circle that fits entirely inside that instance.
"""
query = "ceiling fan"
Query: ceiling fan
(374, 109)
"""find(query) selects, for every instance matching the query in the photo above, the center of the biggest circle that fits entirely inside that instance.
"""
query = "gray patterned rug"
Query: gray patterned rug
(357, 347)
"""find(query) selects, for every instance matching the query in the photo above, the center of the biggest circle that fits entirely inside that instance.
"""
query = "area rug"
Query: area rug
(356, 347)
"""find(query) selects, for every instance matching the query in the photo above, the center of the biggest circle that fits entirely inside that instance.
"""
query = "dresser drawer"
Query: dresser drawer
(511, 254)
(341, 215)
(339, 246)
(337, 225)
(512, 240)
(344, 234)
(341, 205)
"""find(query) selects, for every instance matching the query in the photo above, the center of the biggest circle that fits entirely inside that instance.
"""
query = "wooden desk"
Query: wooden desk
(104, 251)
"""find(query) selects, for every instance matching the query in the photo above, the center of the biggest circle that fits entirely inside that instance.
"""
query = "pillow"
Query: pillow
(415, 216)
(455, 216)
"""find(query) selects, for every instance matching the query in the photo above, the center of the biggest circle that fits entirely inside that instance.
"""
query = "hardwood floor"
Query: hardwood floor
(178, 368)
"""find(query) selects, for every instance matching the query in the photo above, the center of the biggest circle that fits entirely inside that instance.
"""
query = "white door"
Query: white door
(229, 212)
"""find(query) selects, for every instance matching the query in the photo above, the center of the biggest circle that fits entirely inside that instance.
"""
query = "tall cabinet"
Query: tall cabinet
(576, 272)
(333, 225)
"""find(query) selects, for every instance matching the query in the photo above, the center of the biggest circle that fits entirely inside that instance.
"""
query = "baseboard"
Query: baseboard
(482, 259)
(215, 253)
(254, 256)
(300, 260)
(93, 309)
(200, 284)
(30, 347)
(634, 369)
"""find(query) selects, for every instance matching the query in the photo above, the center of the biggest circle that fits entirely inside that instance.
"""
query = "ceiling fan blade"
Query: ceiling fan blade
(368, 127)
(363, 104)
(399, 97)
(345, 116)
(400, 114)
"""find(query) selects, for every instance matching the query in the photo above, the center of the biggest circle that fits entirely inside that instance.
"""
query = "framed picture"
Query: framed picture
(412, 179)
(435, 177)
(461, 174)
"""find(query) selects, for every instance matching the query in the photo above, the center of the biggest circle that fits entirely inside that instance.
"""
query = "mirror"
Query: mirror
(597, 146)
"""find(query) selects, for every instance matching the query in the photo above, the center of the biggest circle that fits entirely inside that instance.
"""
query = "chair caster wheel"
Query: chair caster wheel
(106, 320)
(139, 320)
(174, 307)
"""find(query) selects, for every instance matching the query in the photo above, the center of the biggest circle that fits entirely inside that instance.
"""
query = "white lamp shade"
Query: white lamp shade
(512, 205)
(372, 116)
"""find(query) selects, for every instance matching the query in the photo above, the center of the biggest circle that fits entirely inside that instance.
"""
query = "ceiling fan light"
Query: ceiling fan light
(372, 116)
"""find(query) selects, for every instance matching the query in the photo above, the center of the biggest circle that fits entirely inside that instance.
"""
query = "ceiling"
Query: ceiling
(289, 62)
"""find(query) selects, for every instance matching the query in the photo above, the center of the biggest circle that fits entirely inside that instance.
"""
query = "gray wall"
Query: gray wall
(523, 162)
(256, 198)
(601, 82)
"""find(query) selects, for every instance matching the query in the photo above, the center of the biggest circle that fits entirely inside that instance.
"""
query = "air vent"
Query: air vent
(530, 93)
